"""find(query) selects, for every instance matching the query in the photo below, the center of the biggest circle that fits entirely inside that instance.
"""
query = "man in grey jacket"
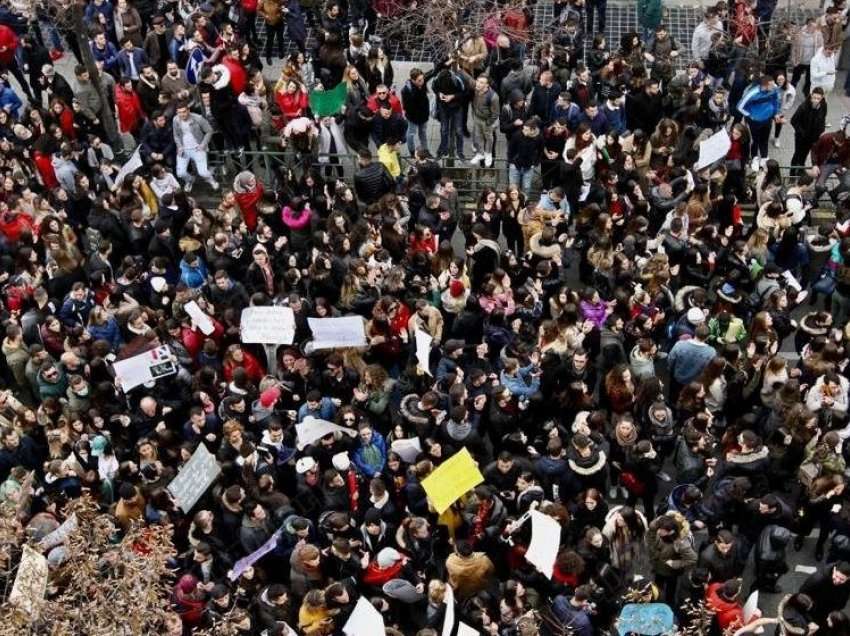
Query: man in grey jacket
(192, 136)
(485, 120)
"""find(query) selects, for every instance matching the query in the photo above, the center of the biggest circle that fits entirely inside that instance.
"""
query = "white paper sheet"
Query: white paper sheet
(713, 148)
(423, 350)
(132, 164)
(465, 630)
(267, 325)
(365, 620)
(312, 429)
(449, 618)
(407, 449)
(202, 320)
(751, 606)
(331, 333)
(545, 542)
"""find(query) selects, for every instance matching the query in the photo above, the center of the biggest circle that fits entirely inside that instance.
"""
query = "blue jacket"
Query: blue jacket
(110, 332)
(688, 358)
(759, 105)
(616, 118)
(109, 55)
(370, 470)
(76, 312)
(571, 113)
(326, 410)
(92, 16)
(522, 384)
(139, 60)
(598, 125)
(194, 277)
(9, 101)
(576, 620)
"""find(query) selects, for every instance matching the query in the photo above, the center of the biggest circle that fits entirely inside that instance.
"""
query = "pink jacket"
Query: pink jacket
(503, 301)
(293, 222)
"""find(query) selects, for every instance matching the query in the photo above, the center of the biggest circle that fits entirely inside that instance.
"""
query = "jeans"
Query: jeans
(414, 130)
(760, 132)
(802, 147)
(483, 137)
(199, 158)
(451, 125)
(521, 177)
(840, 307)
(601, 6)
(275, 32)
(797, 73)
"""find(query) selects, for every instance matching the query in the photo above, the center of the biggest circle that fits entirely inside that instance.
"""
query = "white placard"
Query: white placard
(132, 164)
(423, 350)
(194, 478)
(408, 449)
(267, 325)
(545, 542)
(449, 618)
(365, 620)
(751, 606)
(312, 429)
(203, 322)
(465, 630)
(145, 367)
(332, 333)
(30, 582)
(713, 148)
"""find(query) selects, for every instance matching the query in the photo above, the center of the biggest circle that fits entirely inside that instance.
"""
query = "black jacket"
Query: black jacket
(158, 140)
(416, 104)
(644, 111)
(826, 595)
(524, 151)
(372, 182)
(543, 100)
(808, 122)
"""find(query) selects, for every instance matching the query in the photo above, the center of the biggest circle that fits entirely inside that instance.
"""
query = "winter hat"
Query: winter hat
(304, 465)
(269, 397)
(695, 316)
(453, 345)
(388, 557)
(340, 461)
(372, 516)
(456, 288)
(402, 590)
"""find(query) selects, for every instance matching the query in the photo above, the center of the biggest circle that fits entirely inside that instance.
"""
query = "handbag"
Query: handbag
(631, 483)
(826, 283)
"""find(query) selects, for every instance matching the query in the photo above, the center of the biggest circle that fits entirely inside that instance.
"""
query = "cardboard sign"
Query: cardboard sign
(451, 480)
(267, 325)
(194, 478)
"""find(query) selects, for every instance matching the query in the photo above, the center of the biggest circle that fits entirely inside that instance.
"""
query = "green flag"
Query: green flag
(326, 103)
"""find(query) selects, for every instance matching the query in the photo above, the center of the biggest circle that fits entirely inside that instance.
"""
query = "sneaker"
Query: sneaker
(776, 143)
(664, 476)
(661, 355)
(461, 156)
(477, 157)
(754, 164)
(187, 187)
(488, 160)
(214, 185)
(56, 54)
(612, 492)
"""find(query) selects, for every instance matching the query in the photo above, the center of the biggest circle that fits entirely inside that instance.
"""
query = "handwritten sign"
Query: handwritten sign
(451, 480)
(333, 333)
(145, 367)
(246, 562)
(713, 149)
(267, 325)
(30, 582)
(365, 620)
(194, 478)
(423, 350)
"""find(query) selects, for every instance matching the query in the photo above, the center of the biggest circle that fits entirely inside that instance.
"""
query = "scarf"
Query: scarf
(458, 431)
(371, 455)
(627, 441)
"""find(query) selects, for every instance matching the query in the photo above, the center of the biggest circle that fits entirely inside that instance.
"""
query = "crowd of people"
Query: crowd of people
(613, 340)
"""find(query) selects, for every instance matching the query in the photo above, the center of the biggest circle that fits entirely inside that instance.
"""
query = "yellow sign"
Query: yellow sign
(451, 480)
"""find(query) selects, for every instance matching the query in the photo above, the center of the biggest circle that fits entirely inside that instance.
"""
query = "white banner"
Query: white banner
(333, 333)
(145, 367)
(267, 325)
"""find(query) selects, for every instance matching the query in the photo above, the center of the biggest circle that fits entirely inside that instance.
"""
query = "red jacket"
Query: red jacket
(45, 170)
(292, 105)
(249, 6)
(377, 576)
(8, 44)
(129, 106)
(395, 105)
(238, 74)
(248, 205)
(252, 366)
(66, 123)
(193, 339)
(12, 225)
(727, 612)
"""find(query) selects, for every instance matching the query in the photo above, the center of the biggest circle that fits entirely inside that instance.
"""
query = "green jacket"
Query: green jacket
(649, 13)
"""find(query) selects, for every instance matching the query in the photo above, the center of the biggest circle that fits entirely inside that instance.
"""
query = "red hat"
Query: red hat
(269, 396)
(456, 288)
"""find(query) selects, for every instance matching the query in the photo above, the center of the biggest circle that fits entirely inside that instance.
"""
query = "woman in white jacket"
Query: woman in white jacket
(584, 145)
(787, 94)
(828, 397)
(823, 69)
